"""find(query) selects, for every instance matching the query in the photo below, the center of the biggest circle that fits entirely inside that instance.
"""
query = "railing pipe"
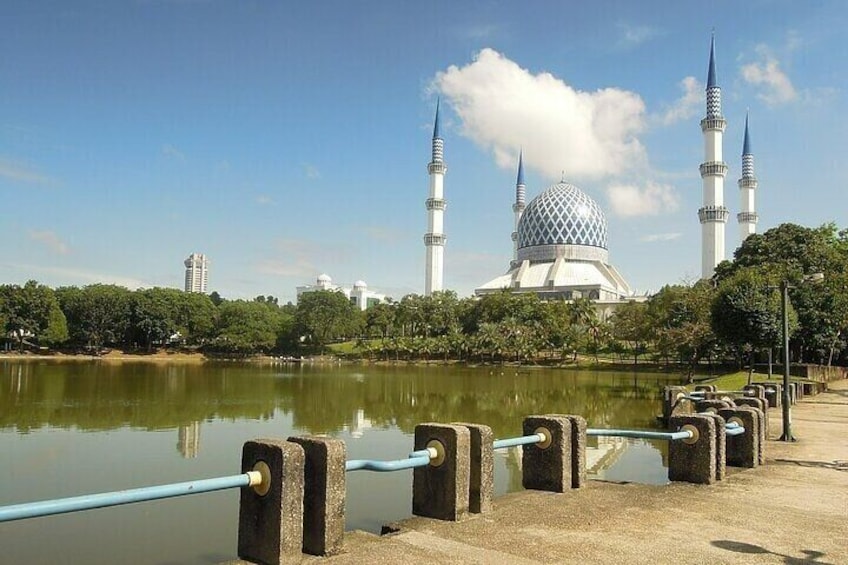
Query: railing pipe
(387, 466)
(639, 434)
(737, 431)
(516, 441)
(117, 498)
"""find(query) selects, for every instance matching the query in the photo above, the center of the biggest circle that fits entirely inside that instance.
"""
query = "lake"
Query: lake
(78, 427)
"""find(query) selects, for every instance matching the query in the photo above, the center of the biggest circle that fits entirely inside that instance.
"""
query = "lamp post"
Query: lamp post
(784, 294)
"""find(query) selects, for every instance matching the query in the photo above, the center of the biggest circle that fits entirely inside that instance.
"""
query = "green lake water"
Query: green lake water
(73, 428)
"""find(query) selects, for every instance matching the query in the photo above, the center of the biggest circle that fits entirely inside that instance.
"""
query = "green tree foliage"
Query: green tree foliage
(249, 327)
(746, 311)
(325, 315)
(632, 324)
(31, 312)
(681, 317)
(98, 314)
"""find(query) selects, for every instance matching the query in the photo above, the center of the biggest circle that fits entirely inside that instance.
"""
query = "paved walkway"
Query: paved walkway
(792, 510)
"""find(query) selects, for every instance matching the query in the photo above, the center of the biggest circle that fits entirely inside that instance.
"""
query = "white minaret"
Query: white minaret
(713, 214)
(518, 207)
(747, 185)
(434, 239)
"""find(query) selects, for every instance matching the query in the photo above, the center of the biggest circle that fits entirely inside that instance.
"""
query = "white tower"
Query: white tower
(518, 207)
(434, 239)
(196, 273)
(713, 214)
(747, 185)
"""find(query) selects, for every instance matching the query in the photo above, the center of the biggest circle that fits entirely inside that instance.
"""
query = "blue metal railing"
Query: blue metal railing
(117, 498)
(640, 434)
(516, 441)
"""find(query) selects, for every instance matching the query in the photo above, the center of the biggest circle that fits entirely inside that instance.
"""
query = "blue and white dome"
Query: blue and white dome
(558, 220)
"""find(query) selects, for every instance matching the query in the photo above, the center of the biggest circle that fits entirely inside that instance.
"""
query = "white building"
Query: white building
(359, 295)
(196, 273)
(560, 249)
(434, 239)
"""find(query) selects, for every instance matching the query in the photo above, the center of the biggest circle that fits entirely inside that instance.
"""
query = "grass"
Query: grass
(735, 381)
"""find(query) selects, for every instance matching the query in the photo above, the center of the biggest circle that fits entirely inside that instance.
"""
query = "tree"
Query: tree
(632, 324)
(32, 312)
(248, 327)
(324, 315)
(746, 312)
(98, 314)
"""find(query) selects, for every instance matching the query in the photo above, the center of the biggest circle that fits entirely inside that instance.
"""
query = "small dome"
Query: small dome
(562, 215)
(360, 284)
(324, 278)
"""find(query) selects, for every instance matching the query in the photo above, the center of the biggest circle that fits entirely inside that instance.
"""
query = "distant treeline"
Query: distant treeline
(734, 316)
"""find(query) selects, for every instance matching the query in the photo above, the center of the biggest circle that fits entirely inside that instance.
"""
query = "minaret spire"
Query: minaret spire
(434, 239)
(748, 217)
(713, 214)
(518, 207)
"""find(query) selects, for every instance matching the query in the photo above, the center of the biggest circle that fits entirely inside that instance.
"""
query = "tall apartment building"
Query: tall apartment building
(197, 273)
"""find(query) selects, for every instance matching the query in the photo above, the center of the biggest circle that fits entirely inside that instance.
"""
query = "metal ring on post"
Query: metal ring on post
(693, 430)
(710, 410)
(545, 433)
(727, 398)
(264, 485)
(437, 452)
(679, 396)
(736, 420)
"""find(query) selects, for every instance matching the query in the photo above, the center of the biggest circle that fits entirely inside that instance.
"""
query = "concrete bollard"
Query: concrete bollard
(693, 460)
(720, 446)
(793, 393)
(761, 405)
(757, 391)
(774, 394)
(481, 487)
(705, 388)
(673, 402)
(271, 516)
(712, 405)
(578, 448)
(323, 494)
(547, 466)
(440, 489)
(743, 450)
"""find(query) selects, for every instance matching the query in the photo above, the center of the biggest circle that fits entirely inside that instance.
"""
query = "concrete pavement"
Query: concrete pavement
(794, 509)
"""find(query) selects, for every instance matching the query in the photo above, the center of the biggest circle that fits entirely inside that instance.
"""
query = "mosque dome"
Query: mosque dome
(324, 280)
(562, 221)
(360, 285)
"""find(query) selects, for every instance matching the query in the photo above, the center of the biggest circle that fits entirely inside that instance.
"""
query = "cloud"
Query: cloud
(660, 237)
(503, 107)
(775, 87)
(171, 152)
(383, 234)
(81, 276)
(263, 200)
(311, 171)
(634, 35)
(21, 173)
(303, 258)
(687, 105)
(50, 240)
(479, 31)
(628, 200)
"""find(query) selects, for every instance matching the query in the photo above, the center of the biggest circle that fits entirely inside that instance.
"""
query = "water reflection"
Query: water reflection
(69, 428)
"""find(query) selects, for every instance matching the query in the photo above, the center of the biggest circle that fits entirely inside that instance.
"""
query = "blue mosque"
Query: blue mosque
(560, 248)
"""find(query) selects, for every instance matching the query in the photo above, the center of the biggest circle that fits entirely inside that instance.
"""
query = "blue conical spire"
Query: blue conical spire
(436, 134)
(520, 179)
(746, 145)
(711, 74)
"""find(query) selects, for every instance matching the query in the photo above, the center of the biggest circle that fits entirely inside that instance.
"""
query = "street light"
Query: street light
(784, 292)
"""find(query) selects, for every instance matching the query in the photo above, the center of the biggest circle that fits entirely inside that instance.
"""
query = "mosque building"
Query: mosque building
(359, 294)
(560, 248)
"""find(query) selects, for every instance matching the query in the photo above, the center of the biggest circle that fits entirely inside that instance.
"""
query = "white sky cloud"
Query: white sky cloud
(52, 241)
(660, 237)
(311, 171)
(172, 152)
(73, 276)
(304, 259)
(633, 35)
(687, 105)
(630, 200)
(775, 87)
(504, 107)
(21, 173)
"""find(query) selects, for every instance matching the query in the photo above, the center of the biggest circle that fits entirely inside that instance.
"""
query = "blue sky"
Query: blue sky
(287, 139)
